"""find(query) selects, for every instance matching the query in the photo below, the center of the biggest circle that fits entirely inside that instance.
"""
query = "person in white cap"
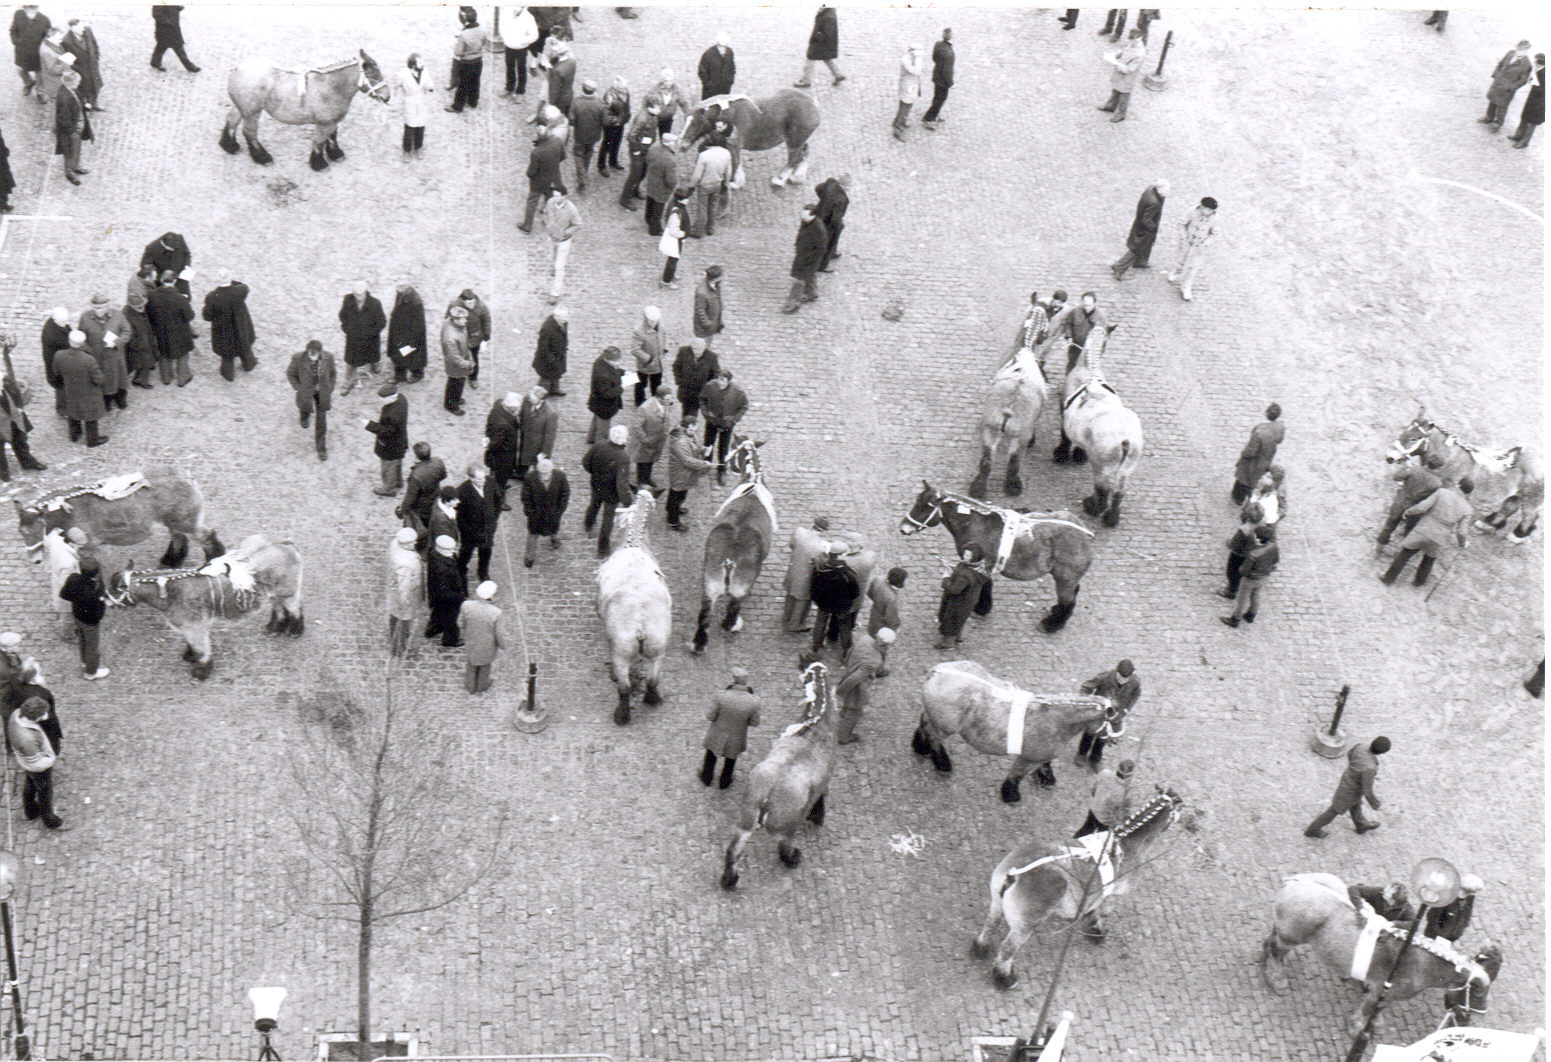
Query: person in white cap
(231, 326)
(649, 344)
(718, 68)
(608, 465)
(480, 622)
(53, 61)
(910, 69)
(406, 589)
(446, 587)
(733, 711)
(81, 380)
(16, 666)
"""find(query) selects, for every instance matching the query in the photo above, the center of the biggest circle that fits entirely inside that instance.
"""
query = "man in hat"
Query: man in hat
(562, 221)
(312, 377)
(28, 28)
(537, 423)
(608, 466)
(1417, 481)
(966, 589)
(81, 43)
(718, 68)
(1144, 230)
(713, 173)
(863, 661)
(231, 326)
(708, 304)
(104, 328)
(54, 337)
(733, 711)
(686, 464)
(392, 430)
(1256, 567)
(662, 175)
(444, 514)
(639, 139)
(457, 359)
(606, 397)
(480, 622)
(406, 334)
(1443, 519)
(883, 590)
(1108, 799)
(34, 735)
(1449, 921)
(942, 78)
(833, 204)
(170, 313)
(545, 495)
(81, 379)
(807, 546)
(1199, 228)
(425, 478)
(1122, 686)
(14, 423)
(1355, 786)
(446, 586)
(17, 667)
(362, 321)
(169, 34)
(550, 352)
(833, 589)
(169, 252)
(139, 342)
(1510, 74)
(811, 244)
(586, 127)
(406, 588)
(544, 160)
(71, 125)
(83, 590)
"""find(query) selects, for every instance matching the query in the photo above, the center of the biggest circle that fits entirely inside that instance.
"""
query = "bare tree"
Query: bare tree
(382, 813)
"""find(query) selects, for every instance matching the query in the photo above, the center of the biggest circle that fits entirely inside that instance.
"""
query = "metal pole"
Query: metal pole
(1037, 1039)
(1168, 40)
(533, 682)
(23, 1046)
(1360, 1045)
(1335, 720)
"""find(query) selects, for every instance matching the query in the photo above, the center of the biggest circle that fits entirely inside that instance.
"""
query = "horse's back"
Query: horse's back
(743, 537)
(250, 83)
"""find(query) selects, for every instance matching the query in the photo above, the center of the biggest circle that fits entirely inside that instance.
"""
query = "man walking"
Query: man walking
(833, 589)
(812, 241)
(718, 68)
(468, 61)
(1074, 322)
(1417, 481)
(1240, 545)
(586, 128)
(823, 47)
(1108, 799)
(14, 422)
(457, 359)
(480, 623)
(1128, 67)
(545, 494)
(446, 589)
(561, 221)
(550, 351)
(392, 430)
(708, 304)
(83, 590)
(312, 376)
(1199, 228)
(1254, 570)
(406, 588)
(1356, 785)
(863, 661)
(833, 204)
(169, 35)
(170, 313)
(1123, 688)
(909, 88)
(608, 467)
(28, 28)
(544, 161)
(733, 711)
(1144, 230)
(231, 326)
(942, 78)
(724, 404)
(1258, 453)
(638, 141)
(34, 735)
(1443, 517)
(1511, 72)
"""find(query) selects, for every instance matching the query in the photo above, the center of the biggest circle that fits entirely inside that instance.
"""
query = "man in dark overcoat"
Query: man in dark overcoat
(1144, 230)
(312, 376)
(425, 478)
(140, 342)
(444, 515)
(80, 377)
(1511, 72)
(834, 590)
(501, 442)
(477, 517)
(1532, 115)
(607, 465)
(662, 169)
(537, 423)
(28, 28)
(966, 589)
(545, 495)
(446, 588)
(544, 162)
(586, 129)
(1258, 453)
(733, 711)
(1355, 786)
(823, 46)
(639, 139)
(1417, 481)
(71, 125)
(833, 204)
(170, 314)
(1122, 686)
(14, 422)
(168, 252)
(392, 430)
(810, 246)
(549, 353)
(81, 42)
(362, 320)
(942, 78)
(606, 396)
(55, 337)
(169, 34)
(718, 69)
(98, 323)
(695, 366)
(406, 335)
(231, 326)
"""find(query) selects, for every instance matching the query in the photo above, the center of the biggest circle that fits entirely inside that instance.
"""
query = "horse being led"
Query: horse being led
(122, 511)
(1007, 418)
(228, 587)
(1510, 482)
(997, 718)
(636, 607)
(319, 97)
(1024, 545)
(790, 783)
(738, 542)
(1316, 909)
(1096, 426)
(789, 117)
(1071, 880)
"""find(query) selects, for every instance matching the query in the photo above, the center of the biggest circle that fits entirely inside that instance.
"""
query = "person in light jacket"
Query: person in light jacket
(34, 735)
(807, 545)
(1128, 67)
(733, 711)
(562, 221)
(649, 434)
(649, 343)
(406, 588)
(686, 464)
(480, 624)
(457, 360)
(909, 88)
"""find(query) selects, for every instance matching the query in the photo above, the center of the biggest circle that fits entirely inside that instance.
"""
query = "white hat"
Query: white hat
(10, 640)
(618, 434)
(485, 591)
(406, 536)
(446, 544)
(77, 338)
(652, 313)
(511, 400)
(885, 636)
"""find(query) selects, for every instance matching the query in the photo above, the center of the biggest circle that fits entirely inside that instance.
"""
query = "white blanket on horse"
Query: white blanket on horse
(239, 571)
(759, 491)
(1090, 848)
(1015, 716)
(111, 489)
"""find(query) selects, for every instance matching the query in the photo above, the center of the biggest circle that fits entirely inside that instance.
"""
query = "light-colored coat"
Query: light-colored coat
(415, 91)
(807, 545)
(910, 78)
(1128, 66)
(115, 371)
(406, 582)
(649, 342)
(480, 622)
(1444, 513)
(62, 560)
(649, 433)
(885, 604)
(733, 711)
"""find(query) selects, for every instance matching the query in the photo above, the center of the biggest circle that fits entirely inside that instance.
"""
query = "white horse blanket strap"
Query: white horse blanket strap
(1015, 716)
(1098, 848)
(1362, 952)
(1015, 525)
(239, 571)
(118, 487)
(759, 491)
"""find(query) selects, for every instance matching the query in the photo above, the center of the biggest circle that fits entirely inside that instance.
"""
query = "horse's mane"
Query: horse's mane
(640, 509)
(1164, 801)
(815, 699)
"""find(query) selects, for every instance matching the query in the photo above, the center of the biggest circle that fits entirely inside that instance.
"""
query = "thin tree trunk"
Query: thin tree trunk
(363, 974)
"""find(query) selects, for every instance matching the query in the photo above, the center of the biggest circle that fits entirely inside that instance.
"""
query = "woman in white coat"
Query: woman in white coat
(415, 90)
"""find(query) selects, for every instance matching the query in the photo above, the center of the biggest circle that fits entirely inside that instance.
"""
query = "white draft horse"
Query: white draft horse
(635, 605)
(1008, 415)
(319, 97)
(738, 542)
(1097, 427)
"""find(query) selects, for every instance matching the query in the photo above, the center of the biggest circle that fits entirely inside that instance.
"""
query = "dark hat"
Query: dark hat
(1208, 202)
(136, 300)
(1125, 667)
(1379, 746)
(467, 293)
(821, 523)
(388, 389)
(897, 577)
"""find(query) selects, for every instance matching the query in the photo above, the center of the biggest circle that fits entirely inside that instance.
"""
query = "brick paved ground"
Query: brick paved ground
(1346, 285)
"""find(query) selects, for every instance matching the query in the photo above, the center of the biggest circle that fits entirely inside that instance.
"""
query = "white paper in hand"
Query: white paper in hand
(110, 338)
(187, 274)
(406, 350)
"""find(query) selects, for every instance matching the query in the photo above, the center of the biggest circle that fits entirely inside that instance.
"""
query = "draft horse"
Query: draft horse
(789, 117)
(1097, 427)
(1510, 482)
(1007, 418)
(319, 97)
(738, 542)
(635, 605)
(1054, 543)
(123, 511)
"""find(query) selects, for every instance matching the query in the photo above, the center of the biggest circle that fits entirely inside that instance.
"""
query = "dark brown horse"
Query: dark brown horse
(789, 117)
(123, 511)
(1055, 544)
(319, 97)
(738, 542)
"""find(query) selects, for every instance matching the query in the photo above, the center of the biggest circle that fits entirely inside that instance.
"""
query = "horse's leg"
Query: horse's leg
(799, 159)
(293, 609)
(620, 666)
(331, 146)
(177, 551)
(212, 544)
(1095, 503)
(278, 620)
(256, 150)
(228, 132)
(1014, 480)
(786, 172)
(653, 669)
(791, 855)
(1271, 955)
(1044, 777)
(318, 160)
(733, 621)
(980, 947)
(1112, 513)
(1063, 450)
(730, 860)
(816, 812)
(1093, 925)
(1061, 611)
(1010, 791)
(1019, 928)
(982, 480)
(936, 742)
(920, 744)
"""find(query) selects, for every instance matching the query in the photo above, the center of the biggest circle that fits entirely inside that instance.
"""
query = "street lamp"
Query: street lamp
(1435, 883)
(266, 1018)
(10, 873)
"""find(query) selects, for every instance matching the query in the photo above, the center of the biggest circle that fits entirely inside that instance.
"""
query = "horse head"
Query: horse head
(371, 80)
(702, 119)
(1157, 815)
(1412, 440)
(743, 455)
(925, 511)
(118, 590)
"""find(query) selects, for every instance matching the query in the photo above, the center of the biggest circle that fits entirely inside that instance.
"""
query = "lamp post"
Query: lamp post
(1436, 883)
(10, 873)
(266, 1018)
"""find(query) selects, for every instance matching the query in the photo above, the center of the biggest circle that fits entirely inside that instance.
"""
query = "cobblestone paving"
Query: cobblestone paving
(1348, 285)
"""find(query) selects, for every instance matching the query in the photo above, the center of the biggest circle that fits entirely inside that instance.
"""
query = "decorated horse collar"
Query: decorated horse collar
(1158, 804)
(110, 489)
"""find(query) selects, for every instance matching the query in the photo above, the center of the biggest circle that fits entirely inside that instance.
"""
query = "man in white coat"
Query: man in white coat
(62, 555)
(415, 90)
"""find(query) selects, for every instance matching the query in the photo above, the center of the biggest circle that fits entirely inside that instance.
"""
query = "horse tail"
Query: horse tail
(763, 812)
(729, 568)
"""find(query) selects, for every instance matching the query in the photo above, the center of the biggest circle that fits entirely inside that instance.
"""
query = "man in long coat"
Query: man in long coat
(231, 326)
(14, 426)
(545, 495)
(1511, 72)
(718, 68)
(695, 366)
(1122, 80)
(863, 662)
(169, 34)
(823, 47)
(662, 175)
(312, 375)
(608, 468)
(966, 589)
(708, 304)
(810, 246)
(406, 588)
(649, 434)
(105, 329)
(1445, 517)
(1123, 688)
(425, 478)
(139, 342)
(733, 711)
(537, 423)
(71, 125)
(833, 204)
(169, 253)
(54, 337)
(834, 589)
(605, 397)
(28, 28)
(550, 351)
(543, 173)
(1144, 230)
(480, 622)
(80, 378)
(446, 588)
(457, 359)
(406, 335)
(170, 314)
(1258, 453)
(81, 42)
(501, 442)
(392, 430)
(362, 320)
(477, 517)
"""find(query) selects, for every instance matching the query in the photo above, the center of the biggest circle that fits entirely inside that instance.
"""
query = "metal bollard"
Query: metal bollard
(1157, 80)
(1331, 742)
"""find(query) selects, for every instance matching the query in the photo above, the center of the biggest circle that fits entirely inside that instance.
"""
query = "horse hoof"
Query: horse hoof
(1061, 457)
(1014, 487)
(298, 624)
(189, 655)
(1111, 519)
(919, 745)
(1274, 977)
(1050, 624)
(652, 696)
(1010, 794)
(792, 858)
(729, 880)
(622, 714)
(273, 625)
(1079, 457)
(229, 144)
(202, 671)
(978, 950)
(977, 487)
(335, 153)
(260, 156)
(943, 763)
(318, 162)
(1004, 981)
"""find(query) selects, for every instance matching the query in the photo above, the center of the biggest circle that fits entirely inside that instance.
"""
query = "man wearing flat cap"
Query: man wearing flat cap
(586, 128)
(607, 463)
(71, 125)
(446, 587)
(833, 589)
(231, 326)
(105, 329)
(480, 621)
(406, 588)
(392, 430)
(733, 711)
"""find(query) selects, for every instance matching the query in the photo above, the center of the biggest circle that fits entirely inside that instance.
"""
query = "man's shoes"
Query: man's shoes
(33, 466)
(849, 739)
(789, 309)
(453, 110)
(1225, 592)
(154, 66)
(678, 527)
(802, 84)
(1107, 109)
(473, 384)
(457, 412)
(1249, 617)
(100, 673)
(1314, 833)
(72, 178)
(1231, 621)
(1368, 827)
(1184, 293)
(1483, 121)
(557, 394)
(1516, 143)
(101, 439)
(525, 228)
(839, 78)
(148, 387)
(82, 170)
(810, 298)
(1118, 118)
(527, 562)
(193, 69)
(323, 454)
(825, 269)
(899, 134)
(453, 645)
(385, 492)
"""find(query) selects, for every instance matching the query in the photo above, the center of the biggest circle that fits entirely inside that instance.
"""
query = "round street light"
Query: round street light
(266, 1018)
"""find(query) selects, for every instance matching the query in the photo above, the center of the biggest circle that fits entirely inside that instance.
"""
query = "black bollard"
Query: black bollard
(1335, 720)
(1168, 40)
(533, 683)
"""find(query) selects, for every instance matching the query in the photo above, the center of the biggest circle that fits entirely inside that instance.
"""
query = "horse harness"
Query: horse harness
(753, 483)
(1014, 523)
(113, 488)
(1375, 926)
(1088, 386)
(237, 572)
(1496, 462)
(362, 82)
(1102, 848)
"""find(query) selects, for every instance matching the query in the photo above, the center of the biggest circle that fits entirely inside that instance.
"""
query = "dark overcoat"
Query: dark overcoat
(362, 323)
(963, 592)
(609, 468)
(392, 430)
(446, 581)
(307, 380)
(231, 326)
(1534, 112)
(1144, 227)
(115, 370)
(140, 343)
(81, 378)
(549, 354)
(717, 71)
(812, 238)
(406, 328)
(83, 45)
(27, 37)
(170, 313)
(544, 506)
(834, 588)
(7, 181)
(476, 518)
(168, 30)
(586, 120)
(1259, 452)
(536, 429)
(55, 337)
(606, 396)
(824, 41)
(501, 441)
(175, 256)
